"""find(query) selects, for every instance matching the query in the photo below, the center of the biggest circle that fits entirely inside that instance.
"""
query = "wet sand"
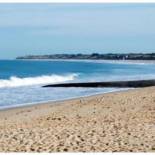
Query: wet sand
(113, 122)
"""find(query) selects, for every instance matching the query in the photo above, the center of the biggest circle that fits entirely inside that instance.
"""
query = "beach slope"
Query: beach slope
(120, 121)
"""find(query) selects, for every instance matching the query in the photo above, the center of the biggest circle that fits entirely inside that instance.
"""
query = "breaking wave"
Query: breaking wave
(45, 79)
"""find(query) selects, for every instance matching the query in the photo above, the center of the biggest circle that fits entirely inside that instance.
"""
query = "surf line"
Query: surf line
(119, 84)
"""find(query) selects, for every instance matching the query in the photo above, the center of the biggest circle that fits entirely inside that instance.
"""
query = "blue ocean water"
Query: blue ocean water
(21, 81)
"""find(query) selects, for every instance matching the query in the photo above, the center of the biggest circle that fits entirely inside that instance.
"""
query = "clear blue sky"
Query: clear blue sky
(74, 28)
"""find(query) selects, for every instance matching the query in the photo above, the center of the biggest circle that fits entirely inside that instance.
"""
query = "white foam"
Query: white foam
(45, 79)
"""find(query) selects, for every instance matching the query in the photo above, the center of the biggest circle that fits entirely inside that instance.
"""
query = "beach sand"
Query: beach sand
(113, 122)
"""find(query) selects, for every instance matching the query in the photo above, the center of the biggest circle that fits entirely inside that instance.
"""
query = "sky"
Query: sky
(76, 28)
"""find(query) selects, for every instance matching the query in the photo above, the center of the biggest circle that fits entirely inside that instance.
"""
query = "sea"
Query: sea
(21, 81)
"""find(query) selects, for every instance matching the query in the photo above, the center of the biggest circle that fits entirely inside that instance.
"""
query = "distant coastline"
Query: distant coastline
(94, 56)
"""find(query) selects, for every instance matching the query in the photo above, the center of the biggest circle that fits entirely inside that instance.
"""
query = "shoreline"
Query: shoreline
(54, 102)
(141, 62)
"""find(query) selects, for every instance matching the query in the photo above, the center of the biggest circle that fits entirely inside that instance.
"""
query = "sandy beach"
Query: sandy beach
(113, 122)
